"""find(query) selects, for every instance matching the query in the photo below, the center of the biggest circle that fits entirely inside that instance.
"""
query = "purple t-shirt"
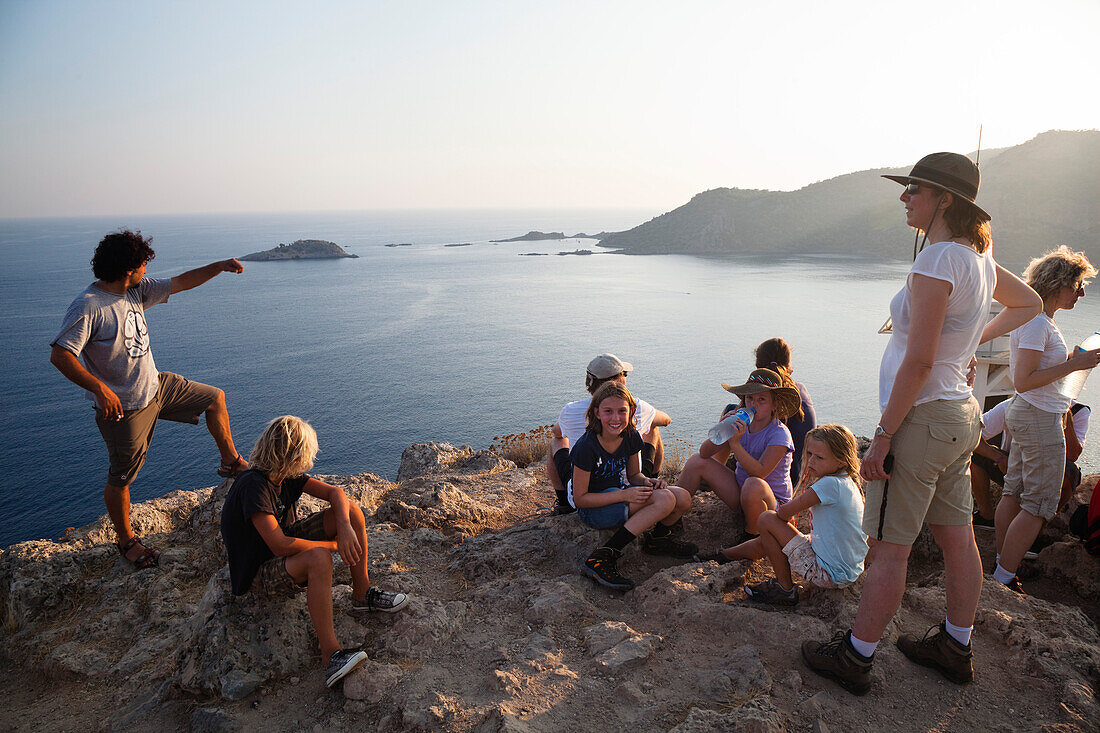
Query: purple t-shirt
(775, 433)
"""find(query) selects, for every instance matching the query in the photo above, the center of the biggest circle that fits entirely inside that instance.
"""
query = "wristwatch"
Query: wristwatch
(881, 432)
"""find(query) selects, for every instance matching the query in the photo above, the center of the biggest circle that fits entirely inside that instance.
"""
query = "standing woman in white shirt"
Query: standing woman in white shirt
(917, 463)
(1039, 360)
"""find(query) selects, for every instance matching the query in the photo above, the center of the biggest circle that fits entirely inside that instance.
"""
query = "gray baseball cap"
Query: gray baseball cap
(606, 366)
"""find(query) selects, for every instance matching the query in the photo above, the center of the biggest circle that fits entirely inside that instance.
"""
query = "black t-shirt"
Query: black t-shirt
(608, 469)
(252, 494)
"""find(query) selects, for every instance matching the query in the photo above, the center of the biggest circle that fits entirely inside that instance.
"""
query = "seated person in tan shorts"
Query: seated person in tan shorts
(272, 553)
(106, 327)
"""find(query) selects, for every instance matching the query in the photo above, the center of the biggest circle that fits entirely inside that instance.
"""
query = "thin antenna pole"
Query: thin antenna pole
(978, 157)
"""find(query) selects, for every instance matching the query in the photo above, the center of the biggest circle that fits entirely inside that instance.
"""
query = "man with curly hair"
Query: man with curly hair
(106, 327)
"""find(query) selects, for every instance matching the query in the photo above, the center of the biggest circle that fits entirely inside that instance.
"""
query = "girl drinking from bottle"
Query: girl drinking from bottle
(832, 555)
(762, 449)
(609, 490)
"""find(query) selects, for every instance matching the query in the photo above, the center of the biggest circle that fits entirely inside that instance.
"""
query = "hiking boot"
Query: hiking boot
(602, 566)
(668, 545)
(770, 591)
(342, 662)
(1014, 585)
(840, 661)
(379, 600)
(940, 651)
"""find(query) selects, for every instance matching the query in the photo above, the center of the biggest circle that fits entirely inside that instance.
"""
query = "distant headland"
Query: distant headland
(537, 236)
(303, 249)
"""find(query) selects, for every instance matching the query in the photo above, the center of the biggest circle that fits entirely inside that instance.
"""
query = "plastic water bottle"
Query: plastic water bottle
(724, 430)
(1073, 382)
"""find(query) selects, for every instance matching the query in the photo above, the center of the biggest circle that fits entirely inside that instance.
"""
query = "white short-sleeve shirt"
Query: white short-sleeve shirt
(571, 421)
(973, 277)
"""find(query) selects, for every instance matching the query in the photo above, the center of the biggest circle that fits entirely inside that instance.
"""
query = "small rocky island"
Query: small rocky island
(303, 249)
(537, 236)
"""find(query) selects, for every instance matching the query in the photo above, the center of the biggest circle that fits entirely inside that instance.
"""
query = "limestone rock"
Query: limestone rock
(235, 644)
(424, 458)
(372, 681)
(630, 652)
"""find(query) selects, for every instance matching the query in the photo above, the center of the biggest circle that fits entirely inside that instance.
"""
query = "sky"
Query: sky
(178, 107)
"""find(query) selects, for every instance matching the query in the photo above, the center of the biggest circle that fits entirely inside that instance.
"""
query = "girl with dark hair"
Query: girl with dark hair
(775, 354)
(609, 490)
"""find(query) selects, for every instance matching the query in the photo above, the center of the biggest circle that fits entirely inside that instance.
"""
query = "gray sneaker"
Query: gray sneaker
(379, 600)
(342, 662)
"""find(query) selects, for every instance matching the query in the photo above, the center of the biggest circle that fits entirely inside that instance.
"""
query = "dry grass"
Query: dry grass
(523, 448)
(677, 451)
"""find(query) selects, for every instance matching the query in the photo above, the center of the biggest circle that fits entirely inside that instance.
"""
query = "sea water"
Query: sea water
(417, 343)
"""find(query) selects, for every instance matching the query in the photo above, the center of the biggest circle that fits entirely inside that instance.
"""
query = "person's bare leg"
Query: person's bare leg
(979, 489)
(217, 422)
(962, 567)
(721, 480)
(360, 582)
(117, 499)
(1007, 509)
(683, 503)
(315, 568)
(753, 549)
(1019, 537)
(756, 498)
(662, 502)
(883, 589)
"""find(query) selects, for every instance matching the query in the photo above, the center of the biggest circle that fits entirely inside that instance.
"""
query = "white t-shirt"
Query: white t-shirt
(571, 421)
(993, 422)
(972, 277)
(1041, 334)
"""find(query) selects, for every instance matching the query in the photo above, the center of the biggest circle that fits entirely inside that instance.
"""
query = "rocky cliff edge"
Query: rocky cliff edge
(503, 633)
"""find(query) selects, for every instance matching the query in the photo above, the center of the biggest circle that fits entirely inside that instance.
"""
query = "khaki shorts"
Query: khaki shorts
(1037, 459)
(177, 399)
(803, 561)
(930, 480)
(272, 579)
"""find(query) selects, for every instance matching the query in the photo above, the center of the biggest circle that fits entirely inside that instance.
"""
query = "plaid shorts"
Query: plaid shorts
(272, 579)
(803, 560)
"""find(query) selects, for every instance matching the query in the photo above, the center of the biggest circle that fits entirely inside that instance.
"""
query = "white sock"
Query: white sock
(865, 648)
(960, 634)
(1002, 576)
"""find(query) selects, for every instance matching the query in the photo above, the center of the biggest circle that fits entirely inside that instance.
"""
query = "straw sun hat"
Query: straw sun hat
(787, 400)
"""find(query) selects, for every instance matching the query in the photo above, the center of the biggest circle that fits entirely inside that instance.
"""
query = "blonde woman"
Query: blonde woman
(273, 553)
(1039, 360)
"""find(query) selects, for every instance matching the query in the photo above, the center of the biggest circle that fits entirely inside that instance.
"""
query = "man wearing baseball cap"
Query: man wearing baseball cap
(571, 426)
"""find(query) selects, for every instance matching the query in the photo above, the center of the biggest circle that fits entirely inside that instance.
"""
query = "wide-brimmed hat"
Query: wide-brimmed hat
(606, 366)
(949, 171)
(787, 400)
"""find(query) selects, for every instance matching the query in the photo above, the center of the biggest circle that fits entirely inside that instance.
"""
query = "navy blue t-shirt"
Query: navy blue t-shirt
(252, 494)
(608, 469)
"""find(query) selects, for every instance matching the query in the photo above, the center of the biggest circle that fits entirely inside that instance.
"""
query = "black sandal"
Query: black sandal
(150, 558)
(231, 470)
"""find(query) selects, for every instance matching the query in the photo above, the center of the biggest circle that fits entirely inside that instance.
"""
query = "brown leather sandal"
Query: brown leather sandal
(232, 469)
(150, 558)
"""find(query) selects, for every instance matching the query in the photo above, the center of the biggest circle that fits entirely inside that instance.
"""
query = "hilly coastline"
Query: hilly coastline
(1042, 193)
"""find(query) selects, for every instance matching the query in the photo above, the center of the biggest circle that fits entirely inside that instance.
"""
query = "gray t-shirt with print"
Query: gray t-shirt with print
(109, 332)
